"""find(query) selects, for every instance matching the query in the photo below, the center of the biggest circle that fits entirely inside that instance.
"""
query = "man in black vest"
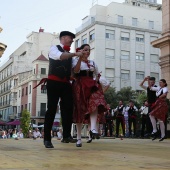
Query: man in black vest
(132, 115)
(120, 118)
(151, 95)
(59, 87)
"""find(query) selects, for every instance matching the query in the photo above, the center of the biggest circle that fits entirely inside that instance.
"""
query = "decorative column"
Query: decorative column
(2, 46)
(164, 43)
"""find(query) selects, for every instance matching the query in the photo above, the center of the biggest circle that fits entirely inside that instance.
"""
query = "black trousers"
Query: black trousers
(120, 120)
(108, 126)
(144, 120)
(149, 127)
(132, 120)
(56, 90)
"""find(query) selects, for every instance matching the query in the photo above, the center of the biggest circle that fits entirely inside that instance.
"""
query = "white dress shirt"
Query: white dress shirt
(54, 52)
(160, 90)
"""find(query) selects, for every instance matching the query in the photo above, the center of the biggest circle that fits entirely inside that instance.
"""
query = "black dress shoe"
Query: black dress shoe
(154, 135)
(94, 135)
(161, 139)
(89, 141)
(79, 144)
(48, 144)
(69, 140)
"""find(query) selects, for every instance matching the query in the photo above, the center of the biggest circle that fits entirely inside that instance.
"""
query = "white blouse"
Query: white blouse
(84, 66)
(104, 82)
(159, 90)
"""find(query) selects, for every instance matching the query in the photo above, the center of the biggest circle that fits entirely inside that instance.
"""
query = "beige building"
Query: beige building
(21, 72)
(164, 43)
(119, 35)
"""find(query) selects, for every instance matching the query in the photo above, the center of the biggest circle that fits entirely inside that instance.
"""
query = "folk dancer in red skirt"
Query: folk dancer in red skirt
(87, 93)
(105, 84)
(159, 108)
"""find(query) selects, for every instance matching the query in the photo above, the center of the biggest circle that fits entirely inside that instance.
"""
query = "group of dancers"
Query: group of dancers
(81, 101)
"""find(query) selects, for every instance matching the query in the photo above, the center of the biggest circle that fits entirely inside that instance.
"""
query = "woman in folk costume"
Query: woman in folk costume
(105, 84)
(159, 109)
(87, 92)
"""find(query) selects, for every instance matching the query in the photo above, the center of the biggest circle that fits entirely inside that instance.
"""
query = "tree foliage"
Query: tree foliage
(125, 94)
(25, 122)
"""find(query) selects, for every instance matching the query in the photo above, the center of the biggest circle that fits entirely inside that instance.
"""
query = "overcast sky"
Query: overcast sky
(18, 18)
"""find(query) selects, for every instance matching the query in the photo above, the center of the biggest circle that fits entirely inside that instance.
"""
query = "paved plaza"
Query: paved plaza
(103, 154)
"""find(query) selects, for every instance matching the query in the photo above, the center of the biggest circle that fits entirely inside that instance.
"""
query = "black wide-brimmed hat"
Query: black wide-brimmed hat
(64, 33)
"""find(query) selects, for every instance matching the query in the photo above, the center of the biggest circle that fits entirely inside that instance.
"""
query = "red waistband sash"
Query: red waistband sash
(51, 77)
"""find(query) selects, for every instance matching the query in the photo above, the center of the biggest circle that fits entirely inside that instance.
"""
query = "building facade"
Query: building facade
(119, 35)
(21, 73)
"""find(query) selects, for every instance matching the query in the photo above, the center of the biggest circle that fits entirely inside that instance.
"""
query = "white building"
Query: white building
(119, 35)
(21, 72)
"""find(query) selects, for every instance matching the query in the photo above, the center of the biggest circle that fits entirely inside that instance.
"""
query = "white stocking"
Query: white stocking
(93, 120)
(153, 121)
(79, 127)
(162, 127)
(89, 128)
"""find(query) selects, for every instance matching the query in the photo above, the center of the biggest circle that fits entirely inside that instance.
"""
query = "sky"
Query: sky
(18, 18)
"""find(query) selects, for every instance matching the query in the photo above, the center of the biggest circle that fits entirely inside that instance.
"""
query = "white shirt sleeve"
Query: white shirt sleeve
(165, 90)
(155, 88)
(104, 82)
(96, 72)
(74, 62)
(54, 53)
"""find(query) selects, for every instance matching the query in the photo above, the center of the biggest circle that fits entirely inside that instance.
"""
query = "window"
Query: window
(110, 53)
(154, 58)
(110, 34)
(34, 70)
(25, 106)
(77, 43)
(42, 109)
(109, 72)
(21, 108)
(140, 56)
(29, 107)
(84, 39)
(139, 38)
(43, 70)
(140, 75)
(120, 19)
(23, 92)
(125, 36)
(125, 74)
(134, 21)
(26, 92)
(92, 35)
(156, 75)
(151, 24)
(19, 111)
(125, 55)
(30, 89)
(43, 89)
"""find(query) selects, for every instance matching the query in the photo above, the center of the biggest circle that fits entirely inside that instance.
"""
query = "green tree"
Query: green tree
(126, 94)
(141, 97)
(25, 122)
(110, 97)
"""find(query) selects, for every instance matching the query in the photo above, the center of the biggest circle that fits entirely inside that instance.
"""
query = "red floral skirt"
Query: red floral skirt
(88, 97)
(159, 109)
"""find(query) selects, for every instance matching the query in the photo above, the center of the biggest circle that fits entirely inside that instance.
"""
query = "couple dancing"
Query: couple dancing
(85, 96)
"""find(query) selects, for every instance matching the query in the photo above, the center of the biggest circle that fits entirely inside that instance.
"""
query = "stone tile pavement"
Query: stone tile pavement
(103, 154)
